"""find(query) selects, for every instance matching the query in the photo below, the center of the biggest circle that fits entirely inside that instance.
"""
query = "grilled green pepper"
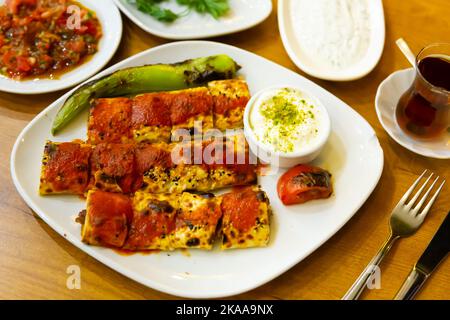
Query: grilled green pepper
(158, 77)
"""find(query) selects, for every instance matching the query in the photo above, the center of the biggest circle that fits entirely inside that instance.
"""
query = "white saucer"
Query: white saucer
(388, 95)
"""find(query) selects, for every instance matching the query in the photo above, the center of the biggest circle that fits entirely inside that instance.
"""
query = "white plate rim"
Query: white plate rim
(387, 128)
(148, 282)
(333, 76)
(62, 84)
(174, 36)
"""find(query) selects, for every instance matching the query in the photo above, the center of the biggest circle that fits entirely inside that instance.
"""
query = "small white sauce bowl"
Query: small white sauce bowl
(290, 159)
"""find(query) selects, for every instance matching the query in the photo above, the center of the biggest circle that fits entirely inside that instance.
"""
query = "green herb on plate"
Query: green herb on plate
(153, 8)
(216, 8)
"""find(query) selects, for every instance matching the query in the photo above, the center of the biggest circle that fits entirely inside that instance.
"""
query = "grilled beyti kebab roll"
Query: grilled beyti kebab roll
(166, 116)
(135, 80)
(76, 167)
(146, 221)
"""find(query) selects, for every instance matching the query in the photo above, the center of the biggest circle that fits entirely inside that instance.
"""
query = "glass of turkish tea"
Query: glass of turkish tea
(424, 110)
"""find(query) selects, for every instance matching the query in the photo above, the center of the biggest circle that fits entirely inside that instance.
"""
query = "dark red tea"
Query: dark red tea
(436, 70)
(424, 109)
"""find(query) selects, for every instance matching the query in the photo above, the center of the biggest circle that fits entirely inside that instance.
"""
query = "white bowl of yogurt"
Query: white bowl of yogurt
(286, 126)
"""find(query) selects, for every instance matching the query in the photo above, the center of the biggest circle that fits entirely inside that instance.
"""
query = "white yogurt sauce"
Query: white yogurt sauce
(286, 120)
(332, 33)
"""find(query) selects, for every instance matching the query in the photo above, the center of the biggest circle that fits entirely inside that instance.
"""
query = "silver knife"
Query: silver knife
(436, 251)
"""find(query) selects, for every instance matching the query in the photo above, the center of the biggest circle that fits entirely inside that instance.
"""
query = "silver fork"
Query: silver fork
(405, 220)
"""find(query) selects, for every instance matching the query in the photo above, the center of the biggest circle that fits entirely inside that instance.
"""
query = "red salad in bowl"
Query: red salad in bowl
(45, 38)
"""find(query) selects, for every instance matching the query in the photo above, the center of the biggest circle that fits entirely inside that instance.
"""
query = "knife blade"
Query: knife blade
(437, 250)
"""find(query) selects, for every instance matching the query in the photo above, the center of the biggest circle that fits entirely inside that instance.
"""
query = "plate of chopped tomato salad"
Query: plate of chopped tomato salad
(49, 45)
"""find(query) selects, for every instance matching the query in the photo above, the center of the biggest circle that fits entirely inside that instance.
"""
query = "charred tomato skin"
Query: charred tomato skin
(303, 183)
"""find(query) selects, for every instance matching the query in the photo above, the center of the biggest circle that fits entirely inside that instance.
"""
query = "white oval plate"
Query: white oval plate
(353, 155)
(315, 69)
(386, 100)
(243, 14)
(111, 22)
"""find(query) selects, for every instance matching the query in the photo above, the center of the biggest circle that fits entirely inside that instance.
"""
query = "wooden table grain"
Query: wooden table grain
(34, 258)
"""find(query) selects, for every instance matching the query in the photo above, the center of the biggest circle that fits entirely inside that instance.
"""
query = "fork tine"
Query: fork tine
(421, 202)
(410, 190)
(430, 203)
(418, 193)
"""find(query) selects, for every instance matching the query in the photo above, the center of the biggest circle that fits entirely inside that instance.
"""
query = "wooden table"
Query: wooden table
(34, 258)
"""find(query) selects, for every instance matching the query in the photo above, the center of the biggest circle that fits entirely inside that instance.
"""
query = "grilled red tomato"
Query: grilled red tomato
(303, 183)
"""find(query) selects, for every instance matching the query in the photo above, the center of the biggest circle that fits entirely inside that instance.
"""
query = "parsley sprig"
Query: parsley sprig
(153, 8)
(216, 8)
